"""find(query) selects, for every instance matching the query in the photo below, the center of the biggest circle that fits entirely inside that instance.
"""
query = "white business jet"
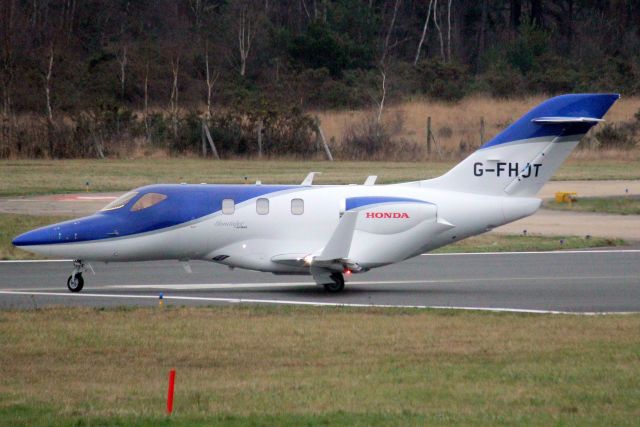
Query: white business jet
(330, 231)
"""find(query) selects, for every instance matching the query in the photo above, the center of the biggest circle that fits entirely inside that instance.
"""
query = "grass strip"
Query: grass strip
(621, 205)
(261, 365)
(494, 242)
(29, 177)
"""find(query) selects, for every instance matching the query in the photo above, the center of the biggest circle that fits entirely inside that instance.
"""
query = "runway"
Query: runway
(570, 281)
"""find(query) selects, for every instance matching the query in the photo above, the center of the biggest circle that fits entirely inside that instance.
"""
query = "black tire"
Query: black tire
(336, 285)
(77, 284)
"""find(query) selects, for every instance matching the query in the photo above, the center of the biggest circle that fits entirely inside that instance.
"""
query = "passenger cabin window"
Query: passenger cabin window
(120, 201)
(262, 206)
(147, 201)
(297, 206)
(228, 206)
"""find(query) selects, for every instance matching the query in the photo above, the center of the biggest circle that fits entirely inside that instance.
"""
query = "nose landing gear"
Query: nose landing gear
(75, 282)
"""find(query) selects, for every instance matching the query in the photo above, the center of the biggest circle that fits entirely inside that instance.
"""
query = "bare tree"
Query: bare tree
(210, 81)
(47, 83)
(385, 47)
(383, 94)
(483, 28)
(244, 38)
(7, 21)
(424, 33)
(122, 60)
(173, 102)
(449, 31)
(435, 22)
(383, 65)
(8, 34)
(146, 102)
(303, 3)
(196, 8)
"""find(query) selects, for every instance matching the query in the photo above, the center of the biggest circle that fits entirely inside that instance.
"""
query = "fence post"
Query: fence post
(481, 131)
(204, 142)
(429, 137)
(320, 135)
(260, 138)
(205, 129)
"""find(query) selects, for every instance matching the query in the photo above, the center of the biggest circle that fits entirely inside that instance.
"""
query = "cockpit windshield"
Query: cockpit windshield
(120, 201)
(148, 200)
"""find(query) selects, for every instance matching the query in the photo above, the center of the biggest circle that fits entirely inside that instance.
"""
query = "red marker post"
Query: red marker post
(172, 380)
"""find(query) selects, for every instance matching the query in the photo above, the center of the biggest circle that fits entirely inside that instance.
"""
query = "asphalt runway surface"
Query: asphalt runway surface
(604, 281)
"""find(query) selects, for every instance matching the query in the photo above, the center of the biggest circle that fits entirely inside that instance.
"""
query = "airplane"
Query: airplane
(329, 231)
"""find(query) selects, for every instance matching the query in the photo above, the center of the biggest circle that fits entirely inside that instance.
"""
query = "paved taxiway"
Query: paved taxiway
(577, 281)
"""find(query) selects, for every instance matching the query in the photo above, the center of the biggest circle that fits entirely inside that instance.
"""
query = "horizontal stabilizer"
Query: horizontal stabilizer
(567, 120)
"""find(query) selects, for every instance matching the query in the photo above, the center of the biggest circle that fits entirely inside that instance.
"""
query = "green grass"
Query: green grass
(64, 176)
(25, 177)
(517, 243)
(317, 366)
(624, 205)
(11, 225)
(598, 169)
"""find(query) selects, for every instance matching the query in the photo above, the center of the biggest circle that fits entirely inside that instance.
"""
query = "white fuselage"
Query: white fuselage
(252, 240)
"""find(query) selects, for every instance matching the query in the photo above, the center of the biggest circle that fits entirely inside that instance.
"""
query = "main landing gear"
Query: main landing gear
(336, 285)
(75, 282)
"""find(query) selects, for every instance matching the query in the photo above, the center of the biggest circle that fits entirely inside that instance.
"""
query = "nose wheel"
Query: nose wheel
(75, 282)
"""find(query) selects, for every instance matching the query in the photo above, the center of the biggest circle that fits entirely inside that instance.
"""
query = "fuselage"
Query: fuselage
(252, 226)
(331, 231)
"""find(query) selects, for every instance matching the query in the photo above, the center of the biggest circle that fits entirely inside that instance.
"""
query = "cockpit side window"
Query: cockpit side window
(148, 200)
(120, 201)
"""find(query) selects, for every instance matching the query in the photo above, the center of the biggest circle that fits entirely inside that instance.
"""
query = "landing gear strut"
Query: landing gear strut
(336, 285)
(75, 282)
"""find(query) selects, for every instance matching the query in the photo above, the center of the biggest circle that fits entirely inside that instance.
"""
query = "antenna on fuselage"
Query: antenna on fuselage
(371, 180)
(309, 179)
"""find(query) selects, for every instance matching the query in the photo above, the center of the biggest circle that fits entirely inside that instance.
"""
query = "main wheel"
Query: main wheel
(75, 282)
(336, 285)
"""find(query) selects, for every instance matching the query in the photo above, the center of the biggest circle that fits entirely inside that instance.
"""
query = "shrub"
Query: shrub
(502, 81)
(620, 136)
(373, 140)
(440, 80)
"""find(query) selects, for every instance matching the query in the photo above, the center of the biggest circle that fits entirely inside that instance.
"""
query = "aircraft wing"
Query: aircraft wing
(335, 254)
(340, 242)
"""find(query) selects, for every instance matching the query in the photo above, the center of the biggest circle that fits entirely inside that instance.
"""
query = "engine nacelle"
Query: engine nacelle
(390, 229)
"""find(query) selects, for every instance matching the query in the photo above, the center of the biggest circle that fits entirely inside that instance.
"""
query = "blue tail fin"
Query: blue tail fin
(520, 159)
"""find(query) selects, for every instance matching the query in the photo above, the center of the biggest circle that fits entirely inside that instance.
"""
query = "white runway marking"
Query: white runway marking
(308, 303)
(268, 285)
(26, 261)
(585, 251)
(206, 286)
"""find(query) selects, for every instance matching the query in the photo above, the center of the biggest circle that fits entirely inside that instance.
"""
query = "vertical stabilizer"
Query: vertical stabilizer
(523, 157)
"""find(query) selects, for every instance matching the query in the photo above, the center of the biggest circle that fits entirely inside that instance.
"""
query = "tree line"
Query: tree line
(152, 68)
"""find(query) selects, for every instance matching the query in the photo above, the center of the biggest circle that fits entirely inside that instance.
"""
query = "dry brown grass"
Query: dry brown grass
(453, 123)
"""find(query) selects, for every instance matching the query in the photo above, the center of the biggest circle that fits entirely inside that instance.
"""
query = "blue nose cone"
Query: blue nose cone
(39, 236)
